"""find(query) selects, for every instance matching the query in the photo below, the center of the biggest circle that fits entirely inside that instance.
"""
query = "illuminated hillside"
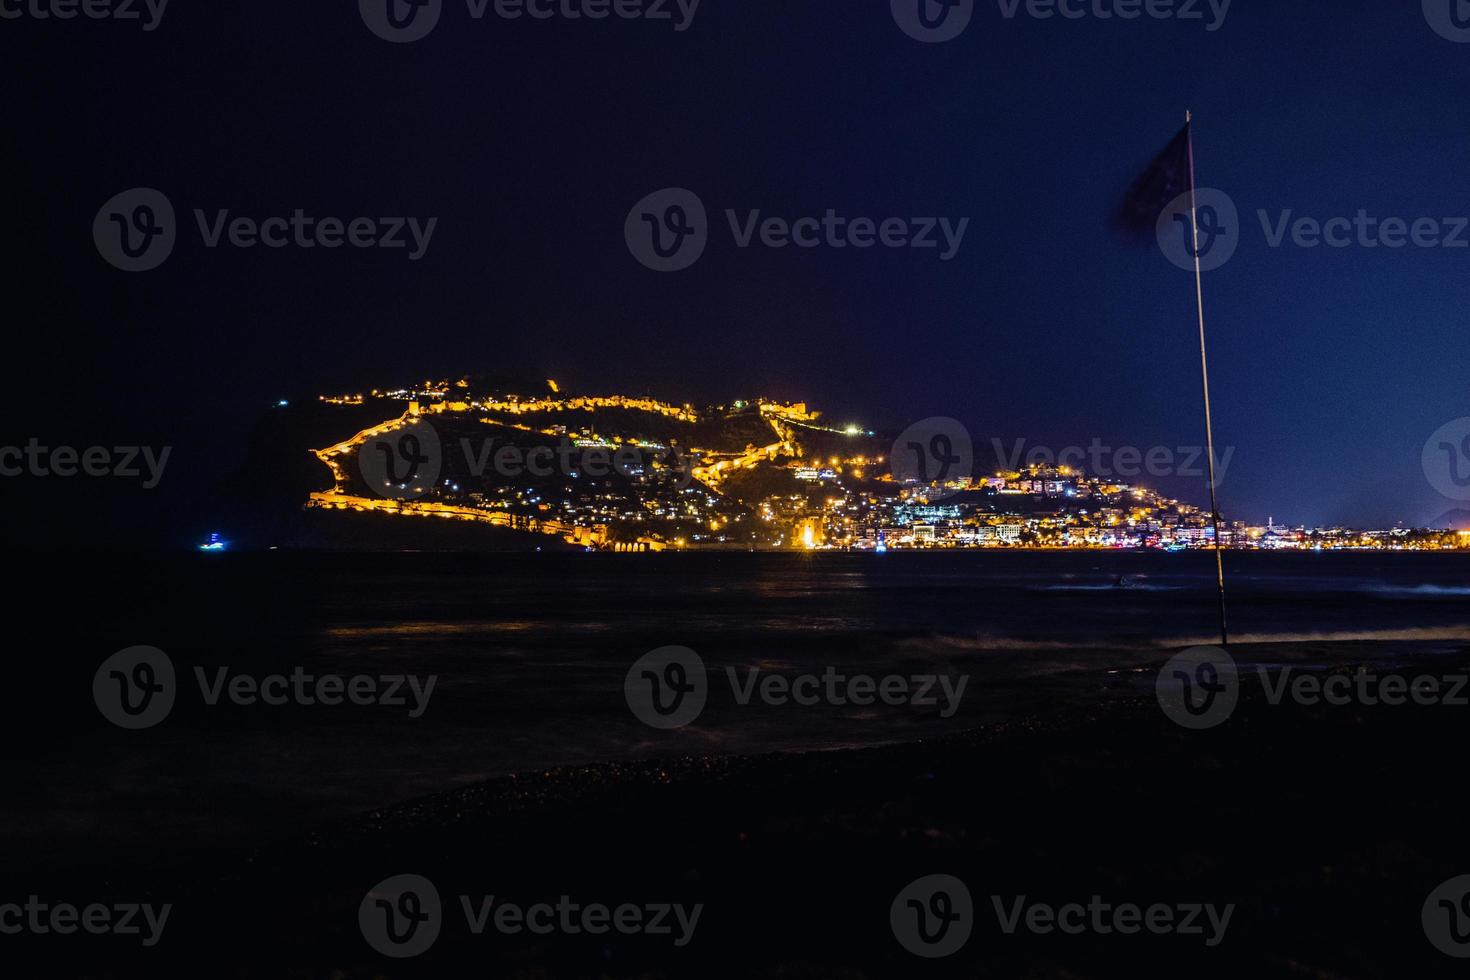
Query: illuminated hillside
(636, 473)
(601, 471)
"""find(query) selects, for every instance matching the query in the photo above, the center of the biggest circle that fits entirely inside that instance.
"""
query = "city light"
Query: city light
(765, 487)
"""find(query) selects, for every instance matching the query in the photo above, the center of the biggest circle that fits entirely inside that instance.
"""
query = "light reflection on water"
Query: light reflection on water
(531, 656)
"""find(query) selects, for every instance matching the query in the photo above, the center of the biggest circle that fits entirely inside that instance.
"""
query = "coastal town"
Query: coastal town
(626, 473)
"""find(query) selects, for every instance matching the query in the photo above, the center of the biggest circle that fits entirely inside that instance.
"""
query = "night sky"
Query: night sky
(531, 140)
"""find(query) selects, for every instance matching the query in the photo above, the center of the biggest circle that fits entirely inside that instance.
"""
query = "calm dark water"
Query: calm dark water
(530, 654)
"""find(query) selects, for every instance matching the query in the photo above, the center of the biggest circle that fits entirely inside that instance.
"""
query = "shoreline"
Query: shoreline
(807, 552)
(1325, 827)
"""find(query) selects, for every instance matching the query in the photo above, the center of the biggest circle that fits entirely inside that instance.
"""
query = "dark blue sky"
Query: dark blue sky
(531, 140)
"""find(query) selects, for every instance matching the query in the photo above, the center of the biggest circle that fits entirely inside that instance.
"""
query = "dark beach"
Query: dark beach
(1326, 827)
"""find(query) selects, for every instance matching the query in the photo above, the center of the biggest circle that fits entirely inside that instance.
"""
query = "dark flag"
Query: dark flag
(1170, 175)
(1165, 179)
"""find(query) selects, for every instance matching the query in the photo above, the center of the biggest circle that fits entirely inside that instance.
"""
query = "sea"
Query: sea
(529, 655)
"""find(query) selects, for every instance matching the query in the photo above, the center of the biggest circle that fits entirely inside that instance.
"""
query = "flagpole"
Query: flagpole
(1204, 363)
